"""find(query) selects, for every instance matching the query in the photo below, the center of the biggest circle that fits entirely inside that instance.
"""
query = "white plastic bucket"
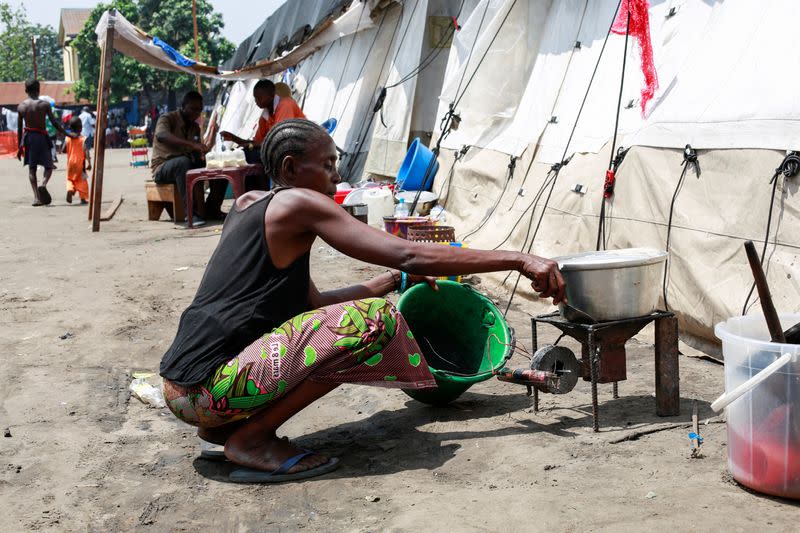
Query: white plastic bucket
(764, 423)
(380, 203)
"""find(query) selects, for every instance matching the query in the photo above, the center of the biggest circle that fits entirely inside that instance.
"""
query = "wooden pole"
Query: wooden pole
(35, 68)
(104, 86)
(196, 45)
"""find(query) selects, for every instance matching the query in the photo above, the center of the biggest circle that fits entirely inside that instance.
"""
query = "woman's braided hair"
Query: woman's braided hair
(288, 137)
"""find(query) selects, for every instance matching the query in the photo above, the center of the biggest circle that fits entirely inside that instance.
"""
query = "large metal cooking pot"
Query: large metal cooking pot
(612, 284)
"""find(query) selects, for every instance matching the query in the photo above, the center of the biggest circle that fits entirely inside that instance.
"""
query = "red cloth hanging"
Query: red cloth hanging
(640, 30)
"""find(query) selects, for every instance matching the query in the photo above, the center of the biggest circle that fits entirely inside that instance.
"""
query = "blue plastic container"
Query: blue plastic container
(330, 125)
(412, 171)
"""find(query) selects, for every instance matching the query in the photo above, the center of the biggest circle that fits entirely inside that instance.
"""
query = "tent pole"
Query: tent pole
(196, 45)
(102, 119)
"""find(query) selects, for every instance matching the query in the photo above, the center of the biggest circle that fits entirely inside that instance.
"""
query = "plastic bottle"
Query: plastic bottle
(401, 211)
(238, 157)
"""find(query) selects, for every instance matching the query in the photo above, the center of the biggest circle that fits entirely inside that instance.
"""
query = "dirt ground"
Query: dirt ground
(80, 312)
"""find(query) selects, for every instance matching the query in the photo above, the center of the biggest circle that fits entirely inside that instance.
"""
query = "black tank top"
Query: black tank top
(241, 297)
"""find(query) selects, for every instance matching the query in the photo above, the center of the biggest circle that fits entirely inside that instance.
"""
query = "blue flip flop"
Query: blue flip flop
(251, 475)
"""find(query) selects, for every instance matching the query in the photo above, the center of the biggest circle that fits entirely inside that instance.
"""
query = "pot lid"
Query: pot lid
(597, 260)
(424, 197)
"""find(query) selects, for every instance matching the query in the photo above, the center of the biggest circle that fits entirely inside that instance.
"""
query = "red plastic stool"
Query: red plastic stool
(235, 175)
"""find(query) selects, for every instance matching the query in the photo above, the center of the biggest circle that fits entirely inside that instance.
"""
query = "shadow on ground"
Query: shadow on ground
(392, 441)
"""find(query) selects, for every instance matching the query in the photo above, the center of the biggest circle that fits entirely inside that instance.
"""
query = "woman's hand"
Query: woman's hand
(228, 136)
(431, 281)
(545, 276)
(411, 279)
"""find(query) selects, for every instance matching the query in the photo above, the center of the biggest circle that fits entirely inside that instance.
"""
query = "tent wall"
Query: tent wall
(240, 113)
(720, 90)
(388, 143)
(714, 215)
(341, 80)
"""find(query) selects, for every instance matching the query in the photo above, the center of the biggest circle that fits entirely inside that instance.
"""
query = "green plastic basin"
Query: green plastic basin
(463, 335)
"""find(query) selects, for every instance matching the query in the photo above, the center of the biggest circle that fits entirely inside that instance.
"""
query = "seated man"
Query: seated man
(177, 149)
(276, 109)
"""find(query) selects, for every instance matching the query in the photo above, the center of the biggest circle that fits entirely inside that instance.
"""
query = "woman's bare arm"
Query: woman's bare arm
(375, 288)
(297, 214)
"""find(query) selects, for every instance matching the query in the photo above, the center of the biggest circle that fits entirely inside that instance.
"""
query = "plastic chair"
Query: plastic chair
(234, 175)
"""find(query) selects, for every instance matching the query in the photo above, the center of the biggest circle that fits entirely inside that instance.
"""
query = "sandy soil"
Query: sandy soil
(84, 456)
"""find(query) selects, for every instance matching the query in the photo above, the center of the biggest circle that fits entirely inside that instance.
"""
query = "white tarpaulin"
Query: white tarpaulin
(389, 142)
(150, 50)
(490, 63)
(723, 84)
(735, 88)
(711, 58)
(341, 80)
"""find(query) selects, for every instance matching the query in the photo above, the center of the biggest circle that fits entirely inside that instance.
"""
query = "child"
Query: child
(78, 162)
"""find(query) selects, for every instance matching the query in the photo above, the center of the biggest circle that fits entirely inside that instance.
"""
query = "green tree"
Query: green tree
(16, 52)
(170, 20)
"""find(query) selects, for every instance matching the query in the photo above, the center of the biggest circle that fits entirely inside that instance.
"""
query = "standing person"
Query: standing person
(78, 162)
(276, 109)
(87, 124)
(34, 142)
(177, 149)
(259, 342)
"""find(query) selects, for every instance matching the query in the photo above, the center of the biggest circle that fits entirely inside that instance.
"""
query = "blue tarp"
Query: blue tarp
(177, 57)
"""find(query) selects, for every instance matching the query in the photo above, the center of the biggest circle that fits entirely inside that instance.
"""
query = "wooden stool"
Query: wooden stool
(163, 196)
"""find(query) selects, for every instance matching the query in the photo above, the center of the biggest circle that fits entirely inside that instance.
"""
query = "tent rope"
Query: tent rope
(689, 159)
(451, 119)
(512, 164)
(457, 156)
(608, 186)
(558, 166)
(426, 61)
(789, 168)
(366, 123)
(555, 101)
(314, 74)
(346, 62)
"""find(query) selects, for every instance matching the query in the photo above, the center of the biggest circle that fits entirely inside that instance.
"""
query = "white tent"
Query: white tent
(725, 88)
(344, 79)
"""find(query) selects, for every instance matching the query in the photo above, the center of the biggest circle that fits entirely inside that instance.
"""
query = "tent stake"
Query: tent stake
(102, 119)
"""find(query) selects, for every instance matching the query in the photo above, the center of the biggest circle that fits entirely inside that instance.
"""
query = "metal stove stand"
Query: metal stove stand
(603, 355)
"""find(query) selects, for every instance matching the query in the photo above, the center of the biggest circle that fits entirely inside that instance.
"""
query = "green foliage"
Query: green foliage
(170, 20)
(16, 53)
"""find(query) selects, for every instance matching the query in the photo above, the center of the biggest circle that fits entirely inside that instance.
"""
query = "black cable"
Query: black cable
(609, 190)
(471, 48)
(346, 61)
(512, 164)
(450, 117)
(314, 74)
(432, 54)
(533, 238)
(364, 63)
(537, 196)
(445, 195)
(789, 167)
(689, 158)
(362, 132)
(557, 167)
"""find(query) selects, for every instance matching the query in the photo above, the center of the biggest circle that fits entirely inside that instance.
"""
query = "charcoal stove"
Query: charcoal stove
(555, 369)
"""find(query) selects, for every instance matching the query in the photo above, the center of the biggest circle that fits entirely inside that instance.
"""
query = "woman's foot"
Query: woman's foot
(219, 434)
(269, 454)
(69, 196)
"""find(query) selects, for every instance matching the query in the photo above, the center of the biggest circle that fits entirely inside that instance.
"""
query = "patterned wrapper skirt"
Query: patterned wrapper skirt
(363, 341)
